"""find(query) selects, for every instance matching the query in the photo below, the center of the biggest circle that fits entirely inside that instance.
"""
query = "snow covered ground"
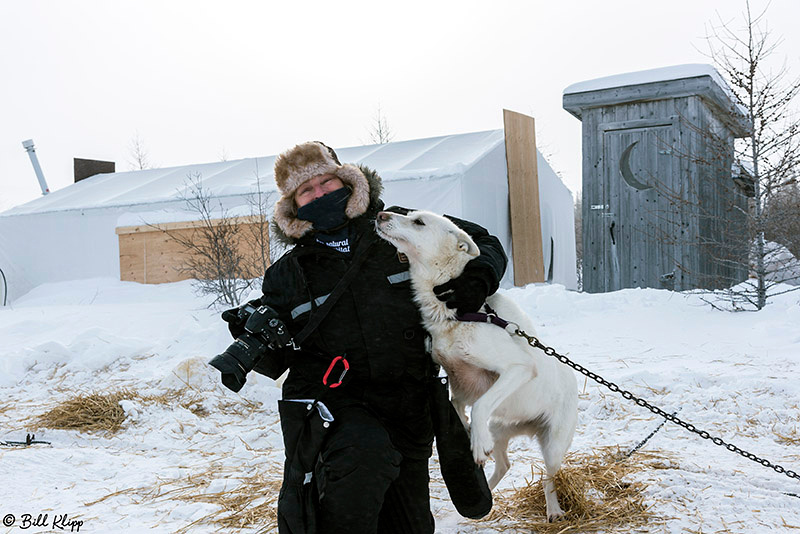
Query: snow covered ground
(736, 375)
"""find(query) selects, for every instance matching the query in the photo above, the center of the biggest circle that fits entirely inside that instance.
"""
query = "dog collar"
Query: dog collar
(479, 317)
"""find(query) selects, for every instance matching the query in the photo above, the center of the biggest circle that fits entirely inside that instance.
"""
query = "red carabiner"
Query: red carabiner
(330, 368)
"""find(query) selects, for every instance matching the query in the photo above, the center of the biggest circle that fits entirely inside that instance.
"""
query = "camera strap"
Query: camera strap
(319, 314)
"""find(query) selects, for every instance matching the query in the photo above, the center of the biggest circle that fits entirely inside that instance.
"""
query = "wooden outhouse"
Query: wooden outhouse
(660, 207)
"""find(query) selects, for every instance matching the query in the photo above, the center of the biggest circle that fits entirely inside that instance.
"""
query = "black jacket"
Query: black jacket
(375, 325)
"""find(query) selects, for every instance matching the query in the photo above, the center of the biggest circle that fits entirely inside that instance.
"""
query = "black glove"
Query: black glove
(236, 319)
(466, 293)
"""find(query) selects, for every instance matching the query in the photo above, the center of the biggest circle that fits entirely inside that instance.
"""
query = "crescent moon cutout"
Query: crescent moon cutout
(625, 169)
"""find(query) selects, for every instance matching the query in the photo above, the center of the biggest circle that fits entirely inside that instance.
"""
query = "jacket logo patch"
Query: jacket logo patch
(402, 258)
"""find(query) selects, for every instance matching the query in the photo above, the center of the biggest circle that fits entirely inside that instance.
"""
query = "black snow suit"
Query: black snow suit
(370, 464)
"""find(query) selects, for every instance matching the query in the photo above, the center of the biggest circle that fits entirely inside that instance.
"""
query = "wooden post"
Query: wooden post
(523, 194)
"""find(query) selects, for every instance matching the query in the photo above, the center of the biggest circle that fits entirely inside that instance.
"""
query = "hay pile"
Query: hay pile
(94, 412)
(251, 504)
(101, 412)
(594, 490)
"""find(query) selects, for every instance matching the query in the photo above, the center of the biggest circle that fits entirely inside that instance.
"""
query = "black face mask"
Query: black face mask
(327, 212)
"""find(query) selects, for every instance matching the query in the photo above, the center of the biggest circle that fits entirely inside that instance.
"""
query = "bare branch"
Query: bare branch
(220, 252)
(771, 153)
(379, 131)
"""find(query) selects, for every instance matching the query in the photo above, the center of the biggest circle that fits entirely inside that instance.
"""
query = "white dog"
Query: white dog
(510, 385)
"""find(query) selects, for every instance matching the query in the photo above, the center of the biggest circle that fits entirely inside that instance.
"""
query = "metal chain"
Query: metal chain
(550, 351)
(650, 435)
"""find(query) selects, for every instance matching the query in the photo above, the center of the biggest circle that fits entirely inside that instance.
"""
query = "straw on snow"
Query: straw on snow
(101, 412)
(790, 438)
(595, 490)
(91, 412)
(252, 504)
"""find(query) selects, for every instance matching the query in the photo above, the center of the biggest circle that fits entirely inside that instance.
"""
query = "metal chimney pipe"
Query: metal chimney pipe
(29, 148)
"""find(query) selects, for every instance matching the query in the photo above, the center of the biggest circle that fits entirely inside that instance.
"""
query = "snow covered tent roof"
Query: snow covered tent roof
(422, 159)
(70, 233)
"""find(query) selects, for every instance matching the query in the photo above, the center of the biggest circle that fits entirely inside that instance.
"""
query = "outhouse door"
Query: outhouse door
(637, 216)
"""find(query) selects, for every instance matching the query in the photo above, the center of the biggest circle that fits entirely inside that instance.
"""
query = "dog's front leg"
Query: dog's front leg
(510, 379)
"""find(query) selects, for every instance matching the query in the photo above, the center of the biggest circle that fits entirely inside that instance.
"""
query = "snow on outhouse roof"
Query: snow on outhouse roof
(430, 158)
(663, 74)
(658, 84)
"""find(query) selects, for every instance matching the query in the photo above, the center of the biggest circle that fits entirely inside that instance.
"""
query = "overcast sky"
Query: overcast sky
(202, 81)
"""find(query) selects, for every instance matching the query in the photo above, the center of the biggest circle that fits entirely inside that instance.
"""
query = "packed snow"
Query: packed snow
(735, 375)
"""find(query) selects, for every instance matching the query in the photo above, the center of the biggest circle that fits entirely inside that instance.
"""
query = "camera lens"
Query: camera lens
(238, 360)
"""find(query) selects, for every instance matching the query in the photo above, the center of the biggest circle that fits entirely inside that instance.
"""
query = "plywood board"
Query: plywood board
(131, 259)
(151, 255)
(143, 228)
(523, 193)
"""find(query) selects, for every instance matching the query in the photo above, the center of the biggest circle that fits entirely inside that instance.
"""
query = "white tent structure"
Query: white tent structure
(70, 233)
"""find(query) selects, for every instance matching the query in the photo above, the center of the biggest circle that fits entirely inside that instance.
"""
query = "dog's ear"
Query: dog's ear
(466, 244)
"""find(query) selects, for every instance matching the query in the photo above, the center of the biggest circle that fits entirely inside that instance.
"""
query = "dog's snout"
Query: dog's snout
(384, 216)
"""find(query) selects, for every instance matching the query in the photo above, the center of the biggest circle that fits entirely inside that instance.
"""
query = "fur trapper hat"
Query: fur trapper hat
(303, 162)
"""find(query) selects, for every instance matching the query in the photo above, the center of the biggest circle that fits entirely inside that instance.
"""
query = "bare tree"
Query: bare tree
(214, 256)
(263, 249)
(138, 153)
(713, 198)
(225, 255)
(379, 132)
(771, 153)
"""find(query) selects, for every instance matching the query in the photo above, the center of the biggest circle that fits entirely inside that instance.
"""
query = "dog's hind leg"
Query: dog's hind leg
(501, 433)
(554, 446)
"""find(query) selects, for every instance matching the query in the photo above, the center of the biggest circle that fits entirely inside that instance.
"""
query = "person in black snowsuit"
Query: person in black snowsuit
(356, 410)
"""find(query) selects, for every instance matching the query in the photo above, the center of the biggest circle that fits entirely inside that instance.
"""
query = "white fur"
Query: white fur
(513, 388)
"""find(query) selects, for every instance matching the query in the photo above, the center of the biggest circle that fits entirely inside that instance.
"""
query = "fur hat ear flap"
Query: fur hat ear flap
(358, 203)
(285, 216)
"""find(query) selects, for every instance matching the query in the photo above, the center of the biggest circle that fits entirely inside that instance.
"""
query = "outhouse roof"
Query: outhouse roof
(674, 72)
(697, 79)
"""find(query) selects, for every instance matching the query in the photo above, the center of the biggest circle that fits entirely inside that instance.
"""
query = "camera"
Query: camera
(261, 330)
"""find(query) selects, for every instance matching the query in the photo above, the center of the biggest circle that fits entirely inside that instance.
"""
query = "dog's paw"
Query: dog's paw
(481, 457)
(558, 516)
(482, 446)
